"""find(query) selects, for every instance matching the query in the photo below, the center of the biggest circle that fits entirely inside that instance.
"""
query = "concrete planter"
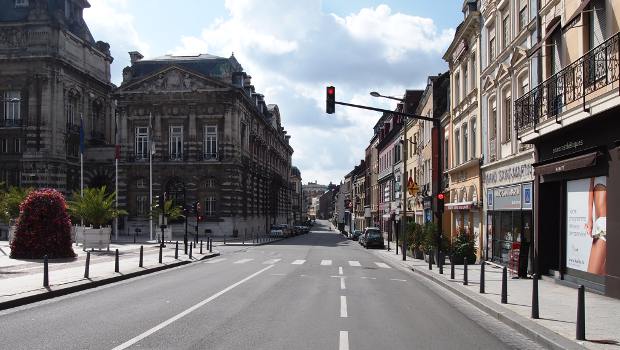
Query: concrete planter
(94, 238)
(12, 230)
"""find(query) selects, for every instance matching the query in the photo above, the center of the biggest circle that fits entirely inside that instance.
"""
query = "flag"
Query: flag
(117, 147)
(151, 142)
(81, 135)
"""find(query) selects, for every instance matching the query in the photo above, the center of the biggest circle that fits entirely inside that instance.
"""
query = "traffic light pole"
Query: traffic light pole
(438, 146)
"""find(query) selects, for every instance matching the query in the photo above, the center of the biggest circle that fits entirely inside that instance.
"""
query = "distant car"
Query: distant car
(355, 235)
(373, 238)
(276, 232)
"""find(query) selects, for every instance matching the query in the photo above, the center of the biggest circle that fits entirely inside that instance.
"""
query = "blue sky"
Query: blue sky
(293, 49)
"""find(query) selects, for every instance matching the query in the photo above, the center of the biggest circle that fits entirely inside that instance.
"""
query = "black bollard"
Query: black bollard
(535, 296)
(211, 245)
(194, 244)
(176, 250)
(190, 252)
(451, 267)
(140, 264)
(430, 261)
(465, 281)
(87, 267)
(581, 313)
(116, 269)
(160, 253)
(482, 264)
(440, 262)
(224, 239)
(46, 280)
(201, 246)
(504, 285)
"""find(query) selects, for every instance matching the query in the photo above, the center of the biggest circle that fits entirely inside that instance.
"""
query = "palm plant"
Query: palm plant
(10, 201)
(172, 211)
(95, 206)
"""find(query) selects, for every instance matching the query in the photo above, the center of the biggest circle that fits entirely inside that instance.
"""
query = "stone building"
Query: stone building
(311, 190)
(52, 73)
(296, 196)
(215, 140)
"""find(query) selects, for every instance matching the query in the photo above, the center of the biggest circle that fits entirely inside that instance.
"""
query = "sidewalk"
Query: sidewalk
(556, 327)
(21, 280)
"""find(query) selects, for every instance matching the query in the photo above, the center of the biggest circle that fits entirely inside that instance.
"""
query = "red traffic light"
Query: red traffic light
(331, 90)
(330, 101)
(441, 196)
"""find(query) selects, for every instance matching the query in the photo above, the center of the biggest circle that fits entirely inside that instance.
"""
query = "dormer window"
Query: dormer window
(21, 3)
(68, 9)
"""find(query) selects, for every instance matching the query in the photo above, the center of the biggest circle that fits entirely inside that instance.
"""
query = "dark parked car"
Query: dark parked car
(373, 238)
(355, 235)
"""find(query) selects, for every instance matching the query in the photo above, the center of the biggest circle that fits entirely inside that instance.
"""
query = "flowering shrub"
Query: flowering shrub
(43, 227)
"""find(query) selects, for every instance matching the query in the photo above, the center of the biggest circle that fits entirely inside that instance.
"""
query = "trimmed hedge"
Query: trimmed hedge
(43, 227)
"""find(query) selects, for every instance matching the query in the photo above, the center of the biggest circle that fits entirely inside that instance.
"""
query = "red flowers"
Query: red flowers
(43, 227)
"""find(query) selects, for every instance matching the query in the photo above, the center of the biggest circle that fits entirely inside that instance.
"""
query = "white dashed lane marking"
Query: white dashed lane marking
(271, 261)
(215, 261)
(243, 261)
(326, 262)
(344, 340)
(298, 262)
(383, 265)
(354, 263)
(343, 306)
(340, 270)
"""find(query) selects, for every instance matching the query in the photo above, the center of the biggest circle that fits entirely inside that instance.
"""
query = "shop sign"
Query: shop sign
(515, 173)
(427, 202)
(489, 199)
(507, 198)
(527, 196)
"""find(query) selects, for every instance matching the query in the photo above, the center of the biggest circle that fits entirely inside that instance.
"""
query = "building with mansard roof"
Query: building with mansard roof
(216, 141)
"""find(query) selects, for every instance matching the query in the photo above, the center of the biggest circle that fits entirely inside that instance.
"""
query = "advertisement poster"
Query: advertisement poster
(586, 224)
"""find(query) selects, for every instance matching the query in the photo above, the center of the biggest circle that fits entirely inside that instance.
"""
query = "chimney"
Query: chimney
(135, 56)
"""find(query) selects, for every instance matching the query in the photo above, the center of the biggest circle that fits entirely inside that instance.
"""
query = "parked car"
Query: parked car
(361, 238)
(373, 238)
(355, 235)
(276, 231)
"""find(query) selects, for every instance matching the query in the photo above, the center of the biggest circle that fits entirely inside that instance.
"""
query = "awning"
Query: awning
(582, 6)
(459, 206)
(582, 161)
(542, 42)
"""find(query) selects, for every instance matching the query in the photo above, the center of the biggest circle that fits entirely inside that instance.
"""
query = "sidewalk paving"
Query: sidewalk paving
(557, 304)
(21, 280)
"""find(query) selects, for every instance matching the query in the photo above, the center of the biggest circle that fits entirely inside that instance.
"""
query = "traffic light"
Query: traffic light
(160, 201)
(440, 202)
(330, 102)
(195, 207)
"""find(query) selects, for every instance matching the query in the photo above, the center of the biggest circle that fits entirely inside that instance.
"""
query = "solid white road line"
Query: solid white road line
(344, 340)
(242, 261)
(343, 306)
(396, 279)
(342, 286)
(169, 321)
(278, 274)
(383, 265)
(298, 262)
(354, 263)
(271, 261)
(216, 260)
(326, 262)
(340, 270)
(368, 278)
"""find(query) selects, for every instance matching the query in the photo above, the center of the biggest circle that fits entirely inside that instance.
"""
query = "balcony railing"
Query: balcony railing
(593, 71)
(12, 123)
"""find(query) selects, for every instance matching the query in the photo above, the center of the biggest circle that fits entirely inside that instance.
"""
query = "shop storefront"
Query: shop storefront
(578, 185)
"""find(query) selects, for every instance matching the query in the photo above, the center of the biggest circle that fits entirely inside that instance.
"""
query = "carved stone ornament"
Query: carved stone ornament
(12, 37)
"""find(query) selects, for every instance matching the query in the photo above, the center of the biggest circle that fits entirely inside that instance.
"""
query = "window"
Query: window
(507, 119)
(12, 103)
(175, 143)
(210, 206)
(446, 146)
(457, 89)
(142, 205)
(491, 44)
(4, 146)
(18, 145)
(596, 24)
(68, 9)
(21, 3)
(142, 142)
(457, 148)
(141, 183)
(523, 17)
(465, 142)
(493, 122)
(71, 109)
(210, 143)
(210, 183)
(244, 136)
(474, 81)
(506, 31)
(474, 151)
(465, 80)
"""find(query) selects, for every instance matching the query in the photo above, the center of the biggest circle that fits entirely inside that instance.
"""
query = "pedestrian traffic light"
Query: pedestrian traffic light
(330, 102)
(440, 202)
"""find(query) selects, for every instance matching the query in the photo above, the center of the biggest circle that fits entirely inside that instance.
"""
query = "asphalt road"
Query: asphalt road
(315, 291)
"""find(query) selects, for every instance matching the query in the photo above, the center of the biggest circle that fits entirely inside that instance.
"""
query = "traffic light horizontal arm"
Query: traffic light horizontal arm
(408, 115)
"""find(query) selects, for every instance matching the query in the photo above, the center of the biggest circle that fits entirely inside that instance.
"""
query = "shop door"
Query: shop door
(549, 236)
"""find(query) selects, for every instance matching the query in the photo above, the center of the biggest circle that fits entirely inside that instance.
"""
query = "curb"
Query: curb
(527, 327)
(252, 244)
(77, 286)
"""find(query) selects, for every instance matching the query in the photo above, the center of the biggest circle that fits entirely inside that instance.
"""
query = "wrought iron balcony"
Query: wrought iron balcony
(593, 71)
(210, 156)
(12, 123)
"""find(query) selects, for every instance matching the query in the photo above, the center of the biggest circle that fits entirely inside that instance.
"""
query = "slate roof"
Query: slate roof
(205, 64)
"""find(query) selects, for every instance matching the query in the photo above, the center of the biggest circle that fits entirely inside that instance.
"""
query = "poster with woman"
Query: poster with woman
(586, 224)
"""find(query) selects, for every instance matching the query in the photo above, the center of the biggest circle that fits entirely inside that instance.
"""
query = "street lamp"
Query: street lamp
(376, 94)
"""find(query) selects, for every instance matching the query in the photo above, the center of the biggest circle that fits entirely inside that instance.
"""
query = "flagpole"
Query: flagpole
(150, 150)
(81, 161)
(116, 156)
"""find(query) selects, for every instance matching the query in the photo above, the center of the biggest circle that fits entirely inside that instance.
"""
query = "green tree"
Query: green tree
(173, 212)
(10, 201)
(95, 206)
